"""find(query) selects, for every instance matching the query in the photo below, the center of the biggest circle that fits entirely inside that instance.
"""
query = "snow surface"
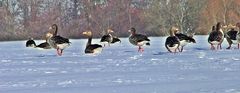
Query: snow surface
(119, 69)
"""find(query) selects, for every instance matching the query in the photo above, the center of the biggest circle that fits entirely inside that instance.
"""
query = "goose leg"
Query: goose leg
(59, 52)
(181, 49)
(238, 46)
(229, 43)
(212, 47)
(140, 49)
(175, 51)
(229, 46)
(218, 47)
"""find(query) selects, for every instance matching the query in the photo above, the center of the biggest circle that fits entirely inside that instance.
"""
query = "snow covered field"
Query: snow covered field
(119, 69)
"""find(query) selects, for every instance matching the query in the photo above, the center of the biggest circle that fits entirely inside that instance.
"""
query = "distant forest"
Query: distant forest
(22, 19)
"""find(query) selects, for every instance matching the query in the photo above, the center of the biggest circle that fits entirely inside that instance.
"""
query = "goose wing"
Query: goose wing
(44, 45)
(106, 38)
(185, 37)
(115, 39)
(30, 43)
(171, 41)
(138, 38)
(232, 34)
(60, 40)
(215, 36)
(90, 48)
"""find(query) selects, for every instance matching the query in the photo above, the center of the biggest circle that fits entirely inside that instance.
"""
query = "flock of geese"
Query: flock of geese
(175, 42)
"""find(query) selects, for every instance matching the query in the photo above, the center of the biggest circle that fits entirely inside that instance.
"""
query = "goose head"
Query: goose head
(110, 30)
(53, 29)
(173, 31)
(231, 27)
(30, 38)
(132, 31)
(87, 33)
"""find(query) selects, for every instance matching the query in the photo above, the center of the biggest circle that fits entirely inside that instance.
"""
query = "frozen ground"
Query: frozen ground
(119, 69)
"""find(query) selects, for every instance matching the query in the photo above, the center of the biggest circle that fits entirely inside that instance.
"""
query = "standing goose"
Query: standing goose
(172, 42)
(56, 41)
(107, 38)
(30, 43)
(91, 48)
(138, 39)
(231, 36)
(216, 36)
(184, 40)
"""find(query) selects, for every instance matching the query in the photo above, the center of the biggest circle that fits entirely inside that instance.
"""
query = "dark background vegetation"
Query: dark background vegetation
(21, 19)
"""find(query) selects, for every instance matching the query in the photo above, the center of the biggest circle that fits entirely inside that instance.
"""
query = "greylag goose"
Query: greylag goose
(107, 38)
(172, 42)
(30, 43)
(231, 36)
(184, 40)
(216, 37)
(57, 42)
(138, 39)
(91, 48)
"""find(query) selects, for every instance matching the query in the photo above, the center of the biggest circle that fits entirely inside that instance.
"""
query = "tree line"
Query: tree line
(22, 19)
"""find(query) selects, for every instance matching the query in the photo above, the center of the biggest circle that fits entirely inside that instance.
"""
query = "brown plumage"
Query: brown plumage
(107, 38)
(138, 39)
(56, 41)
(172, 42)
(216, 37)
(91, 48)
(232, 36)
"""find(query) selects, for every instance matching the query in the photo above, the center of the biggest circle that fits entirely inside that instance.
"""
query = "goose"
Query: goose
(91, 48)
(56, 41)
(184, 40)
(216, 36)
(30, 43)
(138, 39)
(107, 38)
(231, 36)
(172, 42)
